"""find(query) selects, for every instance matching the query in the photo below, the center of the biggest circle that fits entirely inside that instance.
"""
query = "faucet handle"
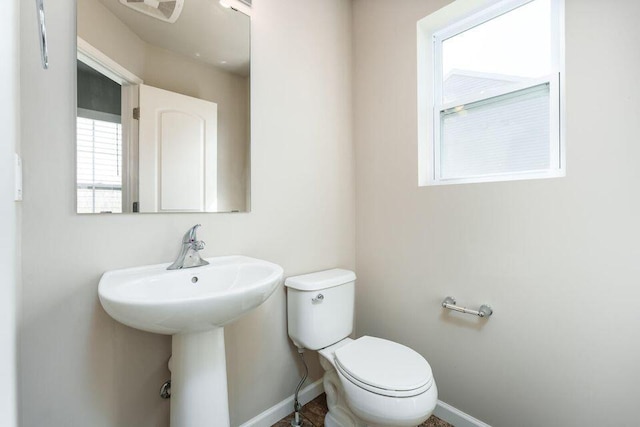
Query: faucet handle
(190, 236)
(198, 245)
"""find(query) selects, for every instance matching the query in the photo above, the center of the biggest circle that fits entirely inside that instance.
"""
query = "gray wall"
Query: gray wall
(97, 92)
(557, 258)
(81, 368)
(9, 210)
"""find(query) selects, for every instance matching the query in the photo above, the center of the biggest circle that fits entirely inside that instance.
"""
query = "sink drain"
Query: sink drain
(194, 280)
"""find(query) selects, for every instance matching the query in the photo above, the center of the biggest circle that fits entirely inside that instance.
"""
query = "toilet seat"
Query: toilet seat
(384, 367)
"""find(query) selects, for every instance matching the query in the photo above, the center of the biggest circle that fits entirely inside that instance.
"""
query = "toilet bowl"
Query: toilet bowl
(383, 383)
(368, 381)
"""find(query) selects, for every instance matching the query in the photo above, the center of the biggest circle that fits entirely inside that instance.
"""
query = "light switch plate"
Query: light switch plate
(18, 178)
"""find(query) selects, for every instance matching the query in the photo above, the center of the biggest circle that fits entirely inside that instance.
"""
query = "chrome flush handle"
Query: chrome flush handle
(318, 299)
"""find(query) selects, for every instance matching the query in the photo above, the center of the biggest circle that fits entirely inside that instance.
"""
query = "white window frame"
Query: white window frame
(454, 19)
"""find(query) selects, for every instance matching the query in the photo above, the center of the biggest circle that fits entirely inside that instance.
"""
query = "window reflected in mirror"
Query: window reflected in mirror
(99, 143)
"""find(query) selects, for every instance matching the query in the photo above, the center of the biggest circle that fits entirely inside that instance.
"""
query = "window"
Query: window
(489, 92)
(99, 163)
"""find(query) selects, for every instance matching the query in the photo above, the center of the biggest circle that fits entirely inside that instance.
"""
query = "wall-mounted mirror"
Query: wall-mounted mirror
(163, 106)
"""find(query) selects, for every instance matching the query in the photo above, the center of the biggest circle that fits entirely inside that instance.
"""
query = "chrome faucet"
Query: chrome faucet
(189, 256)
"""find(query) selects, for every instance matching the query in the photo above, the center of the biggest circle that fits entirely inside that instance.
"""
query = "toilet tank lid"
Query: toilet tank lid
(320, 280)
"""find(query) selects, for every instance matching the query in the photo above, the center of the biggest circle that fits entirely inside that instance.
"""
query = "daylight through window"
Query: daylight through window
(496, 107)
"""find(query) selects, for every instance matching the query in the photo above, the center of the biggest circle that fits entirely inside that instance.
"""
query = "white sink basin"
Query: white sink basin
(193, 305)
(163, 301)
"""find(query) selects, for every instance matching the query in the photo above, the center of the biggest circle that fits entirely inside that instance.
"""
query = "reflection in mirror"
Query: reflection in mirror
(163, 106)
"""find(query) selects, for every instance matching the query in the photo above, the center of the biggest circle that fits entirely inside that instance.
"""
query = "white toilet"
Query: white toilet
(368, 381)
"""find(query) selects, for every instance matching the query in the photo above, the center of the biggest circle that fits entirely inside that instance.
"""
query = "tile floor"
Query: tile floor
(314, 411)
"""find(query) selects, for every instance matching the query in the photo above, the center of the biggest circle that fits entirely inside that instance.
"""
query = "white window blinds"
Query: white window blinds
(505, 134)
(99, 166)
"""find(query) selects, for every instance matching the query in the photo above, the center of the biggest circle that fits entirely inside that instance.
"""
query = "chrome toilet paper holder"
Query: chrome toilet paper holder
(450, 304)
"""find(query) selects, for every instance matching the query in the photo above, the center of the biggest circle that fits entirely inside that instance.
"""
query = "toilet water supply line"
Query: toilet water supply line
(297, 421)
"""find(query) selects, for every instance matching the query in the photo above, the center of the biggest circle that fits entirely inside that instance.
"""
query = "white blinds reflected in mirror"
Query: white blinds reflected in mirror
(99, 166)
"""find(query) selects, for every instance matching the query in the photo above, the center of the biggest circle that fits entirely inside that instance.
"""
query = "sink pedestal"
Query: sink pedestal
(191, 305)
(199, 380)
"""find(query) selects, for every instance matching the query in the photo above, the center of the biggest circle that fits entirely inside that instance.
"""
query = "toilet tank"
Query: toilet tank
(320, 307)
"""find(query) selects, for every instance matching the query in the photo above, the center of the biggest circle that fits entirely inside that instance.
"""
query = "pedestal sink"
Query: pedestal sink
(192, 305)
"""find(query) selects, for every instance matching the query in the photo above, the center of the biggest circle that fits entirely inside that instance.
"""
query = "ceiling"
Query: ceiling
(205, 31)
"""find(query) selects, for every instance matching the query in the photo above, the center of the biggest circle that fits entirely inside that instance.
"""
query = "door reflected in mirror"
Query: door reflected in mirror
(163, 108)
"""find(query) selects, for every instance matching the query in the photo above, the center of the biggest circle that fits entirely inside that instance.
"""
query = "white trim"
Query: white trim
(557, 8)
(272, 415)
(284, 408)
(456, 417)
(130, 100)
(424, 92)
(499, 177)
(99, 61)
(498, 8)
(436, 135)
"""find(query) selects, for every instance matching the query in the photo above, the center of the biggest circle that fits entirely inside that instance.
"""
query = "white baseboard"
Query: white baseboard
(272, 415)
(456, 417)
(284, 408)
